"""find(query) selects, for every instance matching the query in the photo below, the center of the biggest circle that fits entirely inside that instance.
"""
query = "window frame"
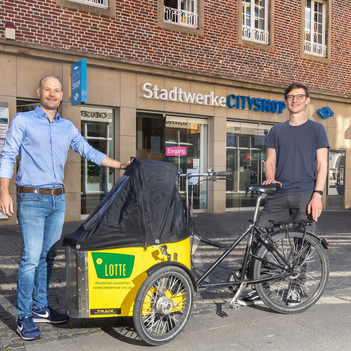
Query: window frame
(179, 28)
(327, 32)
(269, 25)
(110, 12)
(110, 139)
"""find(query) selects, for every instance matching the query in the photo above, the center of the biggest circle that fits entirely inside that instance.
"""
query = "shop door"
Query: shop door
(190, 136)
(246, 154)
(97, 129)
(336, 179)
(178, 140)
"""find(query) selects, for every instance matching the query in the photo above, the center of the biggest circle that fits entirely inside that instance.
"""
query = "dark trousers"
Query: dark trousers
(285, 208)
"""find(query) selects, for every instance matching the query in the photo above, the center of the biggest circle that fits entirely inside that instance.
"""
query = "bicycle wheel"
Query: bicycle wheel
(306, 260)
(163, 305)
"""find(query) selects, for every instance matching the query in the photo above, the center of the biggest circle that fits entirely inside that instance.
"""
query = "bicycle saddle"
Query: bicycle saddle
(264, 189)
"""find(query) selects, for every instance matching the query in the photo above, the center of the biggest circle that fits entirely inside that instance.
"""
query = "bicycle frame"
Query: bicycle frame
(264, 238)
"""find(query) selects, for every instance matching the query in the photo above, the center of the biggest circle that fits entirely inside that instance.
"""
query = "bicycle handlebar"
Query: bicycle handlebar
(209, 174)
(223, 174)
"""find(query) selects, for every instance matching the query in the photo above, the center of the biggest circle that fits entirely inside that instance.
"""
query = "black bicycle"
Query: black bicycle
(289, 266)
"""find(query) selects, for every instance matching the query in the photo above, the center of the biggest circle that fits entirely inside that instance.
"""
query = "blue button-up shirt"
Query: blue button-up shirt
(43, 148)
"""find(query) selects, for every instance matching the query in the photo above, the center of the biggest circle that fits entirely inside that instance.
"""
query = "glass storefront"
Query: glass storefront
(246, 155)
(26, 105)
(336, 179)
(179, 140)
(97, 128)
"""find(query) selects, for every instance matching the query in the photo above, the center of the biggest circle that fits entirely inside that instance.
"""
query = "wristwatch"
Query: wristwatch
(320, 192)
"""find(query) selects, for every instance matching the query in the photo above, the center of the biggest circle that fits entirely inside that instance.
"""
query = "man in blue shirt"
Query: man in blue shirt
(42, 139)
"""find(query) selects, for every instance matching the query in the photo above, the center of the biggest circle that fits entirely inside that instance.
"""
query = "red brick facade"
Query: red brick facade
(134, 35)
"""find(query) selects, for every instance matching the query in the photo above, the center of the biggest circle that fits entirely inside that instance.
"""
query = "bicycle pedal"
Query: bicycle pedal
(233, 289)
(234, 306)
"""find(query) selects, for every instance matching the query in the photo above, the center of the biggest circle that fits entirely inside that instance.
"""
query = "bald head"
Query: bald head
(48, 77)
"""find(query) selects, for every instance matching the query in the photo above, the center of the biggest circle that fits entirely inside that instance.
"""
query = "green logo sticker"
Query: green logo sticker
(113, 266)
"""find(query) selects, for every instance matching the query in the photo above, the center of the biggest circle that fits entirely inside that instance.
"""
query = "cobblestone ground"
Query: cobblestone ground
(335, 227)
(224, 228)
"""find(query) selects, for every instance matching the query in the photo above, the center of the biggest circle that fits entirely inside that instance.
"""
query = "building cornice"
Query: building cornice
(70, 56)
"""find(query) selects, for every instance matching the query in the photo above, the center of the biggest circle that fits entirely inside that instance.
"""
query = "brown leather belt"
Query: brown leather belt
(57, 191)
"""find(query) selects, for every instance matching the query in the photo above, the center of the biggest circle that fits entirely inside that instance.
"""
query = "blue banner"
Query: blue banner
(79, 82)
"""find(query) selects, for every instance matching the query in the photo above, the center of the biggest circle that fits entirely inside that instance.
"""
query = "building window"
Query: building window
(246, 156)
(182, 12)
(255, 23)
(315, 27)
(181, 15)
(97, 128)
(101, 7)
(255, 20)
(336, 179)
(98, 3)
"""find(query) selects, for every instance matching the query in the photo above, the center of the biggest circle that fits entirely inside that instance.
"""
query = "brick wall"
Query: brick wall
(134, 35)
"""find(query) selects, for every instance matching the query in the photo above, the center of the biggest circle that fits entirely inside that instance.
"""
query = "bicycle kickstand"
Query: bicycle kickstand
(233, 304)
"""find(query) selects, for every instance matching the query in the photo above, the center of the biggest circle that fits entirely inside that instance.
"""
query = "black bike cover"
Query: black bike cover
(142, 209)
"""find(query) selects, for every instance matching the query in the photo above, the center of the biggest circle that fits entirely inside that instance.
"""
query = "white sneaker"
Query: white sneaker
(293, 298)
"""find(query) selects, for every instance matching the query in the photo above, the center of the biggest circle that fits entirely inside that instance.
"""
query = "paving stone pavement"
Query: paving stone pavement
(333, 225)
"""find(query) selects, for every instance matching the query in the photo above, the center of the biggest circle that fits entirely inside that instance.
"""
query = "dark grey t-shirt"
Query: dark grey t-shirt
(296, 155)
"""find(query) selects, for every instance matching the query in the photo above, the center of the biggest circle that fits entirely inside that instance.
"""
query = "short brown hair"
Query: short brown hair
(297, 85)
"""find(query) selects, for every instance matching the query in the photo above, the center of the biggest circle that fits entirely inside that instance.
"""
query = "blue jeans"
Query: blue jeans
(40, 218)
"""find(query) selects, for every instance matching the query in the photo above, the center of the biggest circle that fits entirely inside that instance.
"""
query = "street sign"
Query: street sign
(79, 82)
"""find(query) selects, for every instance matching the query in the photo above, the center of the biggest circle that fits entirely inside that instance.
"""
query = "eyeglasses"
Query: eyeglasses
(299, 97)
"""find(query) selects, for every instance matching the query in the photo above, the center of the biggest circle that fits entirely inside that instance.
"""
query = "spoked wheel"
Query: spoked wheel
(163, 305)
(303, 261)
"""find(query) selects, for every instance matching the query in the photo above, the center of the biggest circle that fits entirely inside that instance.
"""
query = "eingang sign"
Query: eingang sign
(231, 101)
(176, 151)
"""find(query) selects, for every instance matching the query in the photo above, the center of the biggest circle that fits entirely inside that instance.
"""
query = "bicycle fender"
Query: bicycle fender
(154, 268)
(324, 242)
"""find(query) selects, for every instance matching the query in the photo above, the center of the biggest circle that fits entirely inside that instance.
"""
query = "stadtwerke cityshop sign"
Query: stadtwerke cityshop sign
(231, 101)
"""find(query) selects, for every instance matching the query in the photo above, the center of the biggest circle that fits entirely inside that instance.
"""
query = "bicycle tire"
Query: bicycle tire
(299, 291)
(163, 305)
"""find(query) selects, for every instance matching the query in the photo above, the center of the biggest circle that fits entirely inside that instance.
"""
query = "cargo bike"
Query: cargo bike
(132, 256)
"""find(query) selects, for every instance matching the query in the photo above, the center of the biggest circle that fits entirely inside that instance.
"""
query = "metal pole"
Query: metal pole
(187, 198)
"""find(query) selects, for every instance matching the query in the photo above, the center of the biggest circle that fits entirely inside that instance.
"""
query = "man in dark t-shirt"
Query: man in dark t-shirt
(296, 150)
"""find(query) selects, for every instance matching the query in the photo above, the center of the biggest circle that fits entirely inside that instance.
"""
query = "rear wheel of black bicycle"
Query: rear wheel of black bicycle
(303, 261)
